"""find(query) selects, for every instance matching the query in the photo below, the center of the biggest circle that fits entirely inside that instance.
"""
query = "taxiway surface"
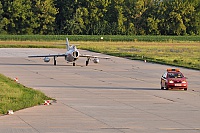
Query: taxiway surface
(114, 96)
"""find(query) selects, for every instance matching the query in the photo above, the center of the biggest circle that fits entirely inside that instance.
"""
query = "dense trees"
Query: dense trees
(1, 19)
(98, 17)
(28, 16)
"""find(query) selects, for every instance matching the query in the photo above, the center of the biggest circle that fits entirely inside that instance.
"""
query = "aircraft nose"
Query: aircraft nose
(75, 54)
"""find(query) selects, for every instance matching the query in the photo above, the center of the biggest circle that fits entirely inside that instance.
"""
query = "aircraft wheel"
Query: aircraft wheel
(87, 63)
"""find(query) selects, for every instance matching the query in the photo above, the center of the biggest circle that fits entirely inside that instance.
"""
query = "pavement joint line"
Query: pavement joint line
(132, 78)
(160, 116)
(180, 128)
(144, 110)
(28, 124)
(117, 75)
(164, 98)
(110, 127)
(193, 93)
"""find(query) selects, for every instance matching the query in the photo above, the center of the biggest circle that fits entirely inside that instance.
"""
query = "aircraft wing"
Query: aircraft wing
(50, 55)
(46, 59)
(91, 56)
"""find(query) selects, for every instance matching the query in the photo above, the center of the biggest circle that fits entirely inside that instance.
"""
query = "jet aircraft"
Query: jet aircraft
(71, 55)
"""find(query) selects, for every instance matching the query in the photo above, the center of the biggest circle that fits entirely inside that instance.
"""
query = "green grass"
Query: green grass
(32, 44)
(95, 38)
(15, 96)
(177, 54)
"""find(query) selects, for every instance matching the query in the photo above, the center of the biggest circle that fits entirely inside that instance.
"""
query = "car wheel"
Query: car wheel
(166, 87)
(185, 89)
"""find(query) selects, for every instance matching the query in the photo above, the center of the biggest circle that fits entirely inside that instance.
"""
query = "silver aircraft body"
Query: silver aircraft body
(71, 55)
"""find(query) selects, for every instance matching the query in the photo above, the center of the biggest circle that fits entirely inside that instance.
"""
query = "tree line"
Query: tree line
(100, 17)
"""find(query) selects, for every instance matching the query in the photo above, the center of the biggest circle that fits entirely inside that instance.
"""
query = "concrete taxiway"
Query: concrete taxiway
(114, 96)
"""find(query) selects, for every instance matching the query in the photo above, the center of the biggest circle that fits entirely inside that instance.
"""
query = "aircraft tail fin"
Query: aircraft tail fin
(67, 43)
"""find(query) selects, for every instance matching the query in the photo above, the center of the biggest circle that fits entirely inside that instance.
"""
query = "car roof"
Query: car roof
(173, 72)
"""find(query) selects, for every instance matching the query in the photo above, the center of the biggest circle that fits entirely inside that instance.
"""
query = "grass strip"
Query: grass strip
(14, 96)
(94, 38)
(183, 54)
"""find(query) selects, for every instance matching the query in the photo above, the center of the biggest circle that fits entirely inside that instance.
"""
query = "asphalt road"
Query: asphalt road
(114, 96)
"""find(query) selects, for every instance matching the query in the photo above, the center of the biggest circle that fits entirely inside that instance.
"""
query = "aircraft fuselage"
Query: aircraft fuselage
(72, 55)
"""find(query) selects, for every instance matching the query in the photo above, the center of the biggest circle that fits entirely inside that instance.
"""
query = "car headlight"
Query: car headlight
(171, 81)
(184, 82)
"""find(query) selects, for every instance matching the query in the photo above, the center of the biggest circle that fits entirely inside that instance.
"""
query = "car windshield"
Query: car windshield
(175, 75)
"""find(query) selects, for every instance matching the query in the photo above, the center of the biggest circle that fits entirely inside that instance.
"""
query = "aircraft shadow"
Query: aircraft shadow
(8, 64)
(12, 64)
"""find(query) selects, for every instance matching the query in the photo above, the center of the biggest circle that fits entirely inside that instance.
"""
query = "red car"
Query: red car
(173, 78)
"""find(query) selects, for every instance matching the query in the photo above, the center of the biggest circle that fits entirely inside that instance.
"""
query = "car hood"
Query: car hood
(177, 80)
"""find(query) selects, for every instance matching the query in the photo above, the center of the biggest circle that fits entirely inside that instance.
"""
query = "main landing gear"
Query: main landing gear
(54, 61)
(87, 61)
